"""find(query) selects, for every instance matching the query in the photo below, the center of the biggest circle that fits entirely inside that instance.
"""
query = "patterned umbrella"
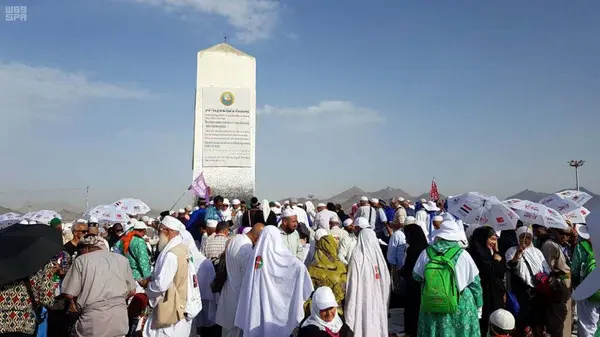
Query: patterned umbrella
(44, 216)
(566, 201)
(479, 209)
(109, 214)
(10, 218)
(132, 206)
(577, 216)
(532, 213)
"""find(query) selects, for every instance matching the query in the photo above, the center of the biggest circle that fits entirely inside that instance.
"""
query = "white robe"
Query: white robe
(238, 254)
(276, 285)
(206, 275)
(368, 288)
(302, 216)
(162, 278)
(536, 261)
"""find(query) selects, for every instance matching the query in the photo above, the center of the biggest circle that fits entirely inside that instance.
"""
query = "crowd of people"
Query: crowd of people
(260, 269)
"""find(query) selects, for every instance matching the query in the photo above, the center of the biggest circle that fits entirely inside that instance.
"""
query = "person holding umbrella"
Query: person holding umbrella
(26, 276)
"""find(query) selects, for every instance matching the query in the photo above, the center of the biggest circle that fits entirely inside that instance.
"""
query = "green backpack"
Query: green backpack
(440, 292)
(589, 267)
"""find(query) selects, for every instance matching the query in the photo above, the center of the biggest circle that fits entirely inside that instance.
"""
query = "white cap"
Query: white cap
(321, 205)
(438, 218)
(145, 218)
(181, 211)
(93, 219)
(410, 220)
(236, 202)
(288, 212)
(582, 230)
(334, 219)
(196, 208)
(225, 201)
(140, 225)
(171, 223)
(212, 202)
(81, 221)
(423, 200)
(364, 199)
(431, 206)
(188, 208)
(400, 199)
(503, 320)
(212, 223)
(362, 222)
(375, 200)
(348, 222)
(320, 233)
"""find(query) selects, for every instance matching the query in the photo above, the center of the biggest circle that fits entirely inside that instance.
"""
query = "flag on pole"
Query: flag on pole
(199, 187)
(433, 193)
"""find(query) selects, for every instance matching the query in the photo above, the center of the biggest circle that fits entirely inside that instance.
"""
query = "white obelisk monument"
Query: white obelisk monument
(225, 121)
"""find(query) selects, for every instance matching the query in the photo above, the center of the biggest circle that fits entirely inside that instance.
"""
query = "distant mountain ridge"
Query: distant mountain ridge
(345, 198)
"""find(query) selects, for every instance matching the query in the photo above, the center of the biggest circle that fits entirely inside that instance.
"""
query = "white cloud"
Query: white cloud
(254, 19)
(339, 112)
(30, 93)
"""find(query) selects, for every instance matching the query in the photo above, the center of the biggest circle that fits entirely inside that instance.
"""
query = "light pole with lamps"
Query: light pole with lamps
(576, 164)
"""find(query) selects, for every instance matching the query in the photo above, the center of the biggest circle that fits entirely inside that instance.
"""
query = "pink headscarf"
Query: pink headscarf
(354, 209)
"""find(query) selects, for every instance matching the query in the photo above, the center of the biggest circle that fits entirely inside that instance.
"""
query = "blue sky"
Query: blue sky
(490, 96)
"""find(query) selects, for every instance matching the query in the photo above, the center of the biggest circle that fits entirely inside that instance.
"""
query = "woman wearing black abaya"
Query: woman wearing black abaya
(492, 267)
(416, 243)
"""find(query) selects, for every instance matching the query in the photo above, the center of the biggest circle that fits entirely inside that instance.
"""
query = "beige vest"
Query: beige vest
(171, 307)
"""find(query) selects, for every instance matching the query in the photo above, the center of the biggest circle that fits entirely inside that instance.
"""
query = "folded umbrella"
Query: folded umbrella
(24, 249)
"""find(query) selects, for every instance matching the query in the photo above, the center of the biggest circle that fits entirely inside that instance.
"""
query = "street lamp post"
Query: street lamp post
(576, 164)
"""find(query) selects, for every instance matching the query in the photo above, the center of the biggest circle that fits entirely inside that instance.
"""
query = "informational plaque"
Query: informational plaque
(226, 127)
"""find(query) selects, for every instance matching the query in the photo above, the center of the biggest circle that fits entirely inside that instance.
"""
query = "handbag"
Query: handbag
(512, 304)
(398, 283)
(541, 281)
(220, 275)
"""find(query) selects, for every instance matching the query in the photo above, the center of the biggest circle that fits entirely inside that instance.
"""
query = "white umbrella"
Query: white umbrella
(111, 215)
(132, 206)
(532, 213)
(577, 216)
(44, 216)
(94, 212)
(28, 215)
(566, 201)
(9, 218)
(479, 209)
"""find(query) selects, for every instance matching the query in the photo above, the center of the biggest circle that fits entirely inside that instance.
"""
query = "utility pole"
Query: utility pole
(87, 199)
(576, 164)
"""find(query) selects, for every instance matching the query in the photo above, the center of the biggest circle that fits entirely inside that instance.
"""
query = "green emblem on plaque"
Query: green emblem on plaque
(227, 98)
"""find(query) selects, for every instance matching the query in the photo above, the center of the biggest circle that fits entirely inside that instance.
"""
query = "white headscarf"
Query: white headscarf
(450, 231)
(534, 257)
(273, 290)
(323, 298)
(368, 288)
